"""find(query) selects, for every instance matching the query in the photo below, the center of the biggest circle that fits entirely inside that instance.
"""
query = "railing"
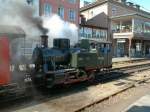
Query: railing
(122, 31)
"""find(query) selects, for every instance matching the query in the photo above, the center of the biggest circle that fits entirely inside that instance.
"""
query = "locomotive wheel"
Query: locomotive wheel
(50, 81)
(91, 77)
(81, 74)
(38, 79)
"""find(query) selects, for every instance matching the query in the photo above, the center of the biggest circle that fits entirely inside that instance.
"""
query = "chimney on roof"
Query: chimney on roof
(121, 1)
(130, 4)
(86, 3)
(82, 19)
(137, 6)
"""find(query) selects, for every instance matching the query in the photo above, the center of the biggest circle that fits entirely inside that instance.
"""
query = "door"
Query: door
(120, 49)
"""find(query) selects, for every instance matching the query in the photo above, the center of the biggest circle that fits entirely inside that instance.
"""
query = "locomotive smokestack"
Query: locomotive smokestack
(44, 40)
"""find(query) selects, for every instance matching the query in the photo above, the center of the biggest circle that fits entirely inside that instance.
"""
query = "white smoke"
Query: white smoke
(60, 29)
(19, 13)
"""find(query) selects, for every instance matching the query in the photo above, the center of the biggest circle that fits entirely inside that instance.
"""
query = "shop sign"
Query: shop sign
(121, 40)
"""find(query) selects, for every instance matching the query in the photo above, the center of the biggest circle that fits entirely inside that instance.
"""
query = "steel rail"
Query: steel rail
(129, 71)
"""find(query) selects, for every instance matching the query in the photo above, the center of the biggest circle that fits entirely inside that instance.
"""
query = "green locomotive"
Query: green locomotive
(64, 65)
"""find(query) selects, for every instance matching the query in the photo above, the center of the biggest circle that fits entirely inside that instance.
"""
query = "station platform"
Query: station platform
(142, 105)
(126, 59)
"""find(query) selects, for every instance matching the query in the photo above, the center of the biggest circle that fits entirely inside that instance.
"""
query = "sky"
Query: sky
(143, 3)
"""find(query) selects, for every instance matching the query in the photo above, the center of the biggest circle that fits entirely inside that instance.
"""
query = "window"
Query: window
(97, 33)
(146, 27)
(72, 15)
(138, 47)
(103, 34)
(114, 10)
(61, 12)
(82, 32)
(92, 14)
(87, 32)
(94, 33)
(72, 1)
(47, 9)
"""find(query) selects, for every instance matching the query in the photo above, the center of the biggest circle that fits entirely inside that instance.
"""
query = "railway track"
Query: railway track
(127, 71)
(112, 95)
(117, 72)
(101, 78)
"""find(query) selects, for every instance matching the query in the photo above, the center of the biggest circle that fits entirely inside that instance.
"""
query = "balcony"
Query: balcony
(122, 29)
(126, 26)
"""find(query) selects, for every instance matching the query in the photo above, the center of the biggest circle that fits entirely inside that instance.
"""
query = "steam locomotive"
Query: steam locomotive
(63, 64)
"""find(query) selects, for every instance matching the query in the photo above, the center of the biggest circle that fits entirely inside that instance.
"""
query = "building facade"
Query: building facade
(68, 10)
(35, 4)
(128, 25)
(93, 30)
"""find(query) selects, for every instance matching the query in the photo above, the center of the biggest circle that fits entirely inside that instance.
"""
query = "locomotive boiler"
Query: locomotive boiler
(59, 53)
(63, 64)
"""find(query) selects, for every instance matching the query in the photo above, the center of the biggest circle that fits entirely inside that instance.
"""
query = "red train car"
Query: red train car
(4, 61)
(11, 76)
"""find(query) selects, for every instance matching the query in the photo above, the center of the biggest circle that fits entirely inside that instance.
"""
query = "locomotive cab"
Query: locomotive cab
(61, 43)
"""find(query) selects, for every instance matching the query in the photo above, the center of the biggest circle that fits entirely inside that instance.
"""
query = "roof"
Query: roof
(131, 15)
(100, 2)
(100, 21)
(94, 4)
(11, 31)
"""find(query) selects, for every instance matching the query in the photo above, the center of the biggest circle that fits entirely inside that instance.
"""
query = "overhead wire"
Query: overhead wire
(148, 10)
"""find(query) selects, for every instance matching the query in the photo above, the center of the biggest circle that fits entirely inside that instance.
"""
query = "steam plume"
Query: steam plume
(60, 29)
(19, 13)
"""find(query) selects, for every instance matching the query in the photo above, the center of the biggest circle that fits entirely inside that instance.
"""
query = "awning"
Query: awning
(12, 31)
